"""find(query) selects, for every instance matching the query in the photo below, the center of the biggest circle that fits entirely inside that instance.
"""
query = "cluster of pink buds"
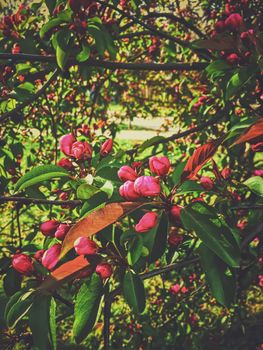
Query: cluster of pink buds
(85, 246)
(79, 150)
(176, 289)
(136, 187)
(234, 23)
(52, 228)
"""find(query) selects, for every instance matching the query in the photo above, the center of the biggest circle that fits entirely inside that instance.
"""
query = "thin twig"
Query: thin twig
(248, 206)
(26, 103)
(179, 66)
(252, 235)
(180, 134)
(28, 200)
(106, 327)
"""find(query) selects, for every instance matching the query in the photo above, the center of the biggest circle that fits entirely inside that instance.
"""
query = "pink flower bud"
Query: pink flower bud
(136, 165)
(65, 144)
(66, 164)
(220, 26)
(39, 254)
(81, 150)
(241, 224)
(159, 165)
(175, 289)
(147, 222)
(104, 270)
(175, 215)
(245, 37)
(260, 280)
(206, 183)
(258, 172)
(48, 228)
(127, 191)
(85, 246)
(226, 173)
(16, 48)
(232, 58)
(234, 22)
(51, 256)
(147, 186)
(175, 239)
(61, 231)
(127, 173)
(184, 290)
(23, 264)
(106, 148)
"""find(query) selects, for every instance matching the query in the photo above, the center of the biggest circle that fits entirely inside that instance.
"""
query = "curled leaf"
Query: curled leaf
(253, 134)
(198, 159)
(96, 221)
(65, 273)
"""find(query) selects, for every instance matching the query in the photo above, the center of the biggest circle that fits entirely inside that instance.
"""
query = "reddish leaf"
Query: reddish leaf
(65, 273)
(96, 221)
(253, 134)
(218, 43)
(198, 159)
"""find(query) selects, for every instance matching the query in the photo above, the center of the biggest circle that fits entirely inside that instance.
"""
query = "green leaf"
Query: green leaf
(178, 170)
(51, 4)
(19, 308)
(87, 307)
(135, 247)
(133, 291)
(86, 191)
(221, 282)
(213, 232)
(49, 25)
(108, 173)
(62, 49)
(217, 65)
(84, 54)
(24, 91)
(12, 282)
(255, 184)
(98, 200)
(155, 240)
(14, 298)
(97, 34)
(238, 80)
(107, 188)
(39, 174)
(41, 316)
(150, 142)
(190, 186)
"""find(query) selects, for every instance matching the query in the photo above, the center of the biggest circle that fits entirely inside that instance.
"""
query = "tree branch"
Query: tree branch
(157, 272)
(18, 108)
(174, 18)
(248, 206)
(25, 200)
(168, 268)
(179, 66)
(180, 135)
(155, 31)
